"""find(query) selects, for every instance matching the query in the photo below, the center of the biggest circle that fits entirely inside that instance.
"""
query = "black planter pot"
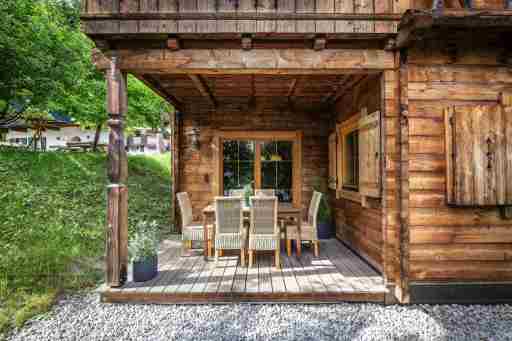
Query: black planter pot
(145, 269)
(325, 230)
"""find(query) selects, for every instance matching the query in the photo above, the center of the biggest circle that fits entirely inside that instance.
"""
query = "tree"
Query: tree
(47, 67)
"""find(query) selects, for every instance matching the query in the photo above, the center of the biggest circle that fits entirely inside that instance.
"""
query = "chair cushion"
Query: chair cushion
(308, 232)
(195, 232)
(263, 241)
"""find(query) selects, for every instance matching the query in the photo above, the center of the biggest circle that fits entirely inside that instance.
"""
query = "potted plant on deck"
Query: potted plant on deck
(324, 217)
(143, 250)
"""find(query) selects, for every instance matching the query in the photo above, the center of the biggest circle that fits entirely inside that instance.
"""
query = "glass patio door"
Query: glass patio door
(260, 164)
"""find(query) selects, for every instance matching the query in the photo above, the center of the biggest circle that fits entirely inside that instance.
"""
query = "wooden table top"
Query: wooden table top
(282, 208)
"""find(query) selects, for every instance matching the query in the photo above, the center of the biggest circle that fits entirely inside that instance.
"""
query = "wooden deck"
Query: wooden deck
(337, 275)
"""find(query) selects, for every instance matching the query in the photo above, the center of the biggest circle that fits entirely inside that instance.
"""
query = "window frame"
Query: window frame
(295, 137)
(344, 129)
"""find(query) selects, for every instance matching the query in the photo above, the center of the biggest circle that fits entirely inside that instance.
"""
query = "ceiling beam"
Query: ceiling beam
(255, 61)
(153, 84)
(201, 85)
(346, 85)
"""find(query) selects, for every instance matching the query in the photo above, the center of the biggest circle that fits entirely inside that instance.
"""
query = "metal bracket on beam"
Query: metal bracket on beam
(247, 42)
(319, 43)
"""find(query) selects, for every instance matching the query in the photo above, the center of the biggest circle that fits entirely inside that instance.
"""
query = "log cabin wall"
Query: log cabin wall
(358, 226)
(197, 166)
(452, 244)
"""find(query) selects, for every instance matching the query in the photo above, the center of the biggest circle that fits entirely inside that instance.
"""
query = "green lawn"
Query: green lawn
(52, 215)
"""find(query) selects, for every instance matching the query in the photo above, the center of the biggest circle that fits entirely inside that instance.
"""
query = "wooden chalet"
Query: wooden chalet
(406, 106)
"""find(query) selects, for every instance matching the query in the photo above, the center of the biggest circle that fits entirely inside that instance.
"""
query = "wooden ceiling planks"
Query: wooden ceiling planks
(304, 92)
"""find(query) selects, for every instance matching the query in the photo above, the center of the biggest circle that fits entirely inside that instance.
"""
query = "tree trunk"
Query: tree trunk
(97, 137)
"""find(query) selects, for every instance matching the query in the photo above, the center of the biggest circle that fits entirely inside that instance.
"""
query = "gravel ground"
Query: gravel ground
(83, 317)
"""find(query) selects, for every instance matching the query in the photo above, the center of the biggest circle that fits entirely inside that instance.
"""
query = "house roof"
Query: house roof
(58, 120)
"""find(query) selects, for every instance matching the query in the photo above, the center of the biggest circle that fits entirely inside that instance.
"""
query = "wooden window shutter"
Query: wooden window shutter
(369, 155)
(332, 161)
(478, 140)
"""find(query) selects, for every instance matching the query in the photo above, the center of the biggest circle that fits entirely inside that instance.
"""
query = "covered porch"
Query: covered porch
(186, 278)
(274, 119)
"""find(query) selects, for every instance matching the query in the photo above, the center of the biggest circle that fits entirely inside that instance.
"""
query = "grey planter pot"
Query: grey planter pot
(325, 230)
(145, 269)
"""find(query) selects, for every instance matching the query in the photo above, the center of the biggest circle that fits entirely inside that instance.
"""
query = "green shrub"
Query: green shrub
(5, 321)
(34, 305)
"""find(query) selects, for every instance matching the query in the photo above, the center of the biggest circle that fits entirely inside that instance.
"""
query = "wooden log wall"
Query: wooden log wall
(449, 243)
(197, 166)
(360, 227)
(242, 16)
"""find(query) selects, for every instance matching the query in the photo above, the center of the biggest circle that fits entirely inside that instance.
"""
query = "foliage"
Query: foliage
(46, 66)
(247, 193)
(34, 305)
(53, 216)
(324, 211)
(144, 241)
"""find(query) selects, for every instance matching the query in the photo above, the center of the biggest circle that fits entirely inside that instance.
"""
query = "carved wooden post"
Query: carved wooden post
(117, 192)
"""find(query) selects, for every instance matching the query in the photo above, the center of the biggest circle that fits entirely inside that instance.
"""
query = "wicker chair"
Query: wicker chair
(264, 232)
(265, 192)
(229, 227)
(191, 231)
(308, 228)
(237, 193)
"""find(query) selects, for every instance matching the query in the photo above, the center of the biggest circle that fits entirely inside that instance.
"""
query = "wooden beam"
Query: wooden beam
(201, 85)
(347, 84)
(151, 83)
(256, 61)
(117, 192)
(292, 90)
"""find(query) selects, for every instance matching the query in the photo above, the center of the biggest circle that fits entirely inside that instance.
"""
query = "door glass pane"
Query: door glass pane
(284, 150)
(284, 175)
(246, 173)
(238, 164)
(268, 149)
(276, 168)
(230, 178)
(268, 175)
(230, 150)
(246, 150)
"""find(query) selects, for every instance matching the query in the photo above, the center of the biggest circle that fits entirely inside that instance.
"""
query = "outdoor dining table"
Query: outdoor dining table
(284, 210)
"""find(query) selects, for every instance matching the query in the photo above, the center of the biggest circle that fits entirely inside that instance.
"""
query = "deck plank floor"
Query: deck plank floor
(185, 277)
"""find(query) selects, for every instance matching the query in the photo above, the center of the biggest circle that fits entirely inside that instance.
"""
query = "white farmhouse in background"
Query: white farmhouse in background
(55, 138)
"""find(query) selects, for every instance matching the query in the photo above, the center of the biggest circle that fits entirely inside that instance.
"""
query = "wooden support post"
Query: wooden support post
(117, 201)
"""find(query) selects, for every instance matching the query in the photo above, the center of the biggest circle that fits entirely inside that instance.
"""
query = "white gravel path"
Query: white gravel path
(83, 317)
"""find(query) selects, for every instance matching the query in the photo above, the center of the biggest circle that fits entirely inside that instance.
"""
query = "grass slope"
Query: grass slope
(52, 218)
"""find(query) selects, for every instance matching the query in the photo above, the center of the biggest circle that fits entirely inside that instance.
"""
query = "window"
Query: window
(351, 165)
(359, 169)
